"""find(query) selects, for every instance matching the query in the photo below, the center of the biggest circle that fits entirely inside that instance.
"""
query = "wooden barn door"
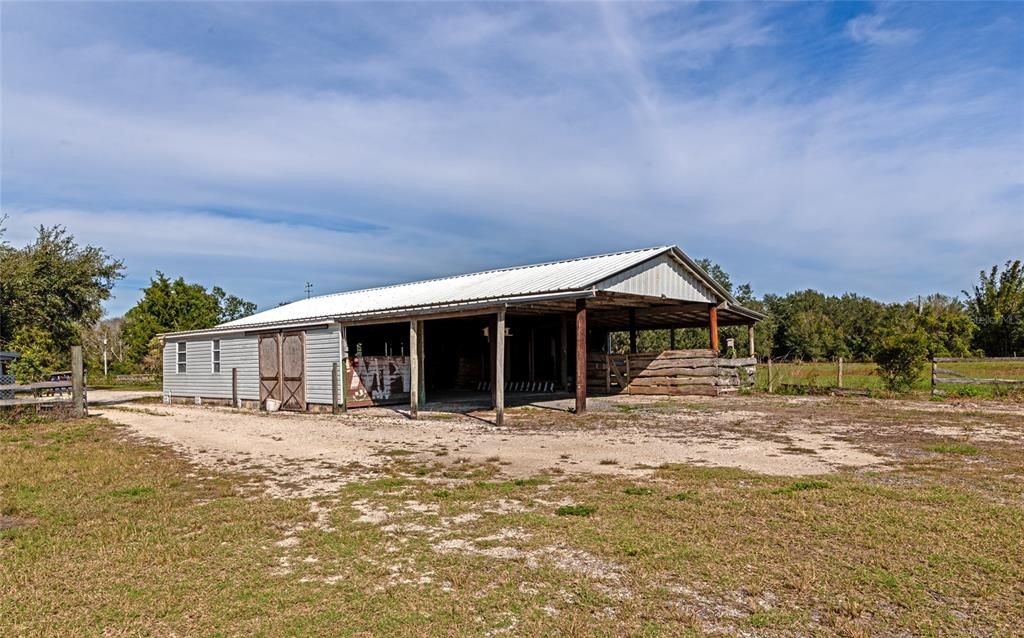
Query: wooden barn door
(270, 369)
(293, 366)
(282, 369)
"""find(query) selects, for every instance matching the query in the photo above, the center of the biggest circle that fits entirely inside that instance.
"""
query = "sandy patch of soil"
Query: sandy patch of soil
(312, 455)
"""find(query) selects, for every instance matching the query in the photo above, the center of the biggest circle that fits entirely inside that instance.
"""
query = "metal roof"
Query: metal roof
(520, 284)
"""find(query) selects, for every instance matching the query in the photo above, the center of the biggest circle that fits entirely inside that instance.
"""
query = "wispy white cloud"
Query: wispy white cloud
(471, 138)
(871, 29)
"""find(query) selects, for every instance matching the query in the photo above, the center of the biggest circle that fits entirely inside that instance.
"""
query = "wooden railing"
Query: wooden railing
(945, 376)
(62, 388)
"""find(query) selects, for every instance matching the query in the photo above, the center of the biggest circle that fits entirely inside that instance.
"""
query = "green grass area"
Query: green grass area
(103, 535)
(955, 447)
(864, 376)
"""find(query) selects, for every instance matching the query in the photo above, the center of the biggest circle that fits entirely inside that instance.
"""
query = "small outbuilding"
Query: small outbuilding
(399, 344)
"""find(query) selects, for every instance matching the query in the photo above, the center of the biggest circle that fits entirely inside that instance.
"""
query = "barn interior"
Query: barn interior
(540, 343)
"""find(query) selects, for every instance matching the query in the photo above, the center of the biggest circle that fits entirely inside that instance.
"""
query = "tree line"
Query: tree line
(51, 297)
(52, 292)
(808, 325)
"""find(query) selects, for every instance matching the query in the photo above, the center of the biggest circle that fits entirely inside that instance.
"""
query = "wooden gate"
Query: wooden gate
(293, 366)
(282, 369)
(270, 368)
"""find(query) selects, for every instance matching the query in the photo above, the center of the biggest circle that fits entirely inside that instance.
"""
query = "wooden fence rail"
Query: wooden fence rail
(63, 388)
(945, 376)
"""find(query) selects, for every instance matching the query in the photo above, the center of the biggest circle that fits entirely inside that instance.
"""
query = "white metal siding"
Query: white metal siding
(322, 352)
(199, 379)
(242, 352)
(657, 277)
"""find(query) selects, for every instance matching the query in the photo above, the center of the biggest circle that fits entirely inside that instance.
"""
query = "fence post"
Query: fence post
(771, 377)
(78, 408)
(234, 387)
(334, 388)
(935, 370)
(839, 374)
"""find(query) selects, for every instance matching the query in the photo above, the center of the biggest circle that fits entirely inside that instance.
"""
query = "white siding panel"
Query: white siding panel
(200, 380)
(242, 352)
(322, 351)
(660, 276)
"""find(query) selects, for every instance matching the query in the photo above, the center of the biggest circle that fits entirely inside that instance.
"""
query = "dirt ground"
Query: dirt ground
(310, 455)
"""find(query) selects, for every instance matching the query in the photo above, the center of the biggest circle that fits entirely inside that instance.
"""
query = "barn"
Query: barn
(404, 343)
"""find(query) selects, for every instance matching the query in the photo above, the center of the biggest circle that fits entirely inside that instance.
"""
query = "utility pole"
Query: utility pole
(309, 288)
(104, 356)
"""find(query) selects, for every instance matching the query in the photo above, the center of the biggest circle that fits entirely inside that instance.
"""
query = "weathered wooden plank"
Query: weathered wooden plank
(737, 363)
(679, 391)
(78, 405)
(42, 385)
(709, 371)
(980, 381)
(672, 381)
(659, 364)
(8, 403)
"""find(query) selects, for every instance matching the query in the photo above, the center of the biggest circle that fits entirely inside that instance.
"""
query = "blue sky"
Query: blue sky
(874, 148)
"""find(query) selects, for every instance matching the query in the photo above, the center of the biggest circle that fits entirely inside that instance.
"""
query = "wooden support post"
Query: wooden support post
(414, 369)
(632, 330)
(78, 407)
(839, 374)
(422, 357)
(343, 377)
(334, 388)
(581, 356)
(492, 331)
(935, 372)
(234, 387)
(771, 378)
(563, 357)
(750, 339)
(530, 357)
(499, 366)
(607, 373)
(672, 339)
(713, 319)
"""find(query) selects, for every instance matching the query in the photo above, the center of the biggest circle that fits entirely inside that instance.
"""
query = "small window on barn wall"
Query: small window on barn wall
(181, 357)
(216, 355)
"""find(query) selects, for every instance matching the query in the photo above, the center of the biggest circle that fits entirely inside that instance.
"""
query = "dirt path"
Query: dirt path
(311, 454)
(308, 449)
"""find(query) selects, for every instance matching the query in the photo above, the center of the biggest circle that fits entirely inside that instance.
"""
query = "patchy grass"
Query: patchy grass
(638, 491)
(575, 510)
(133, 492)
(100, 534)
(800, 486)
(955, 447)
(688, 495)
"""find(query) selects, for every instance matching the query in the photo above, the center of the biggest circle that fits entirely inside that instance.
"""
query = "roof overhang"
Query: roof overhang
(683, 313)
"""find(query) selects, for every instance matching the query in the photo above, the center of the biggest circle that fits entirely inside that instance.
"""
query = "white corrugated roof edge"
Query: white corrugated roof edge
(252, 323)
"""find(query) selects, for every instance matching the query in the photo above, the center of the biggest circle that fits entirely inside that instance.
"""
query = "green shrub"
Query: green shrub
(901, 357)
